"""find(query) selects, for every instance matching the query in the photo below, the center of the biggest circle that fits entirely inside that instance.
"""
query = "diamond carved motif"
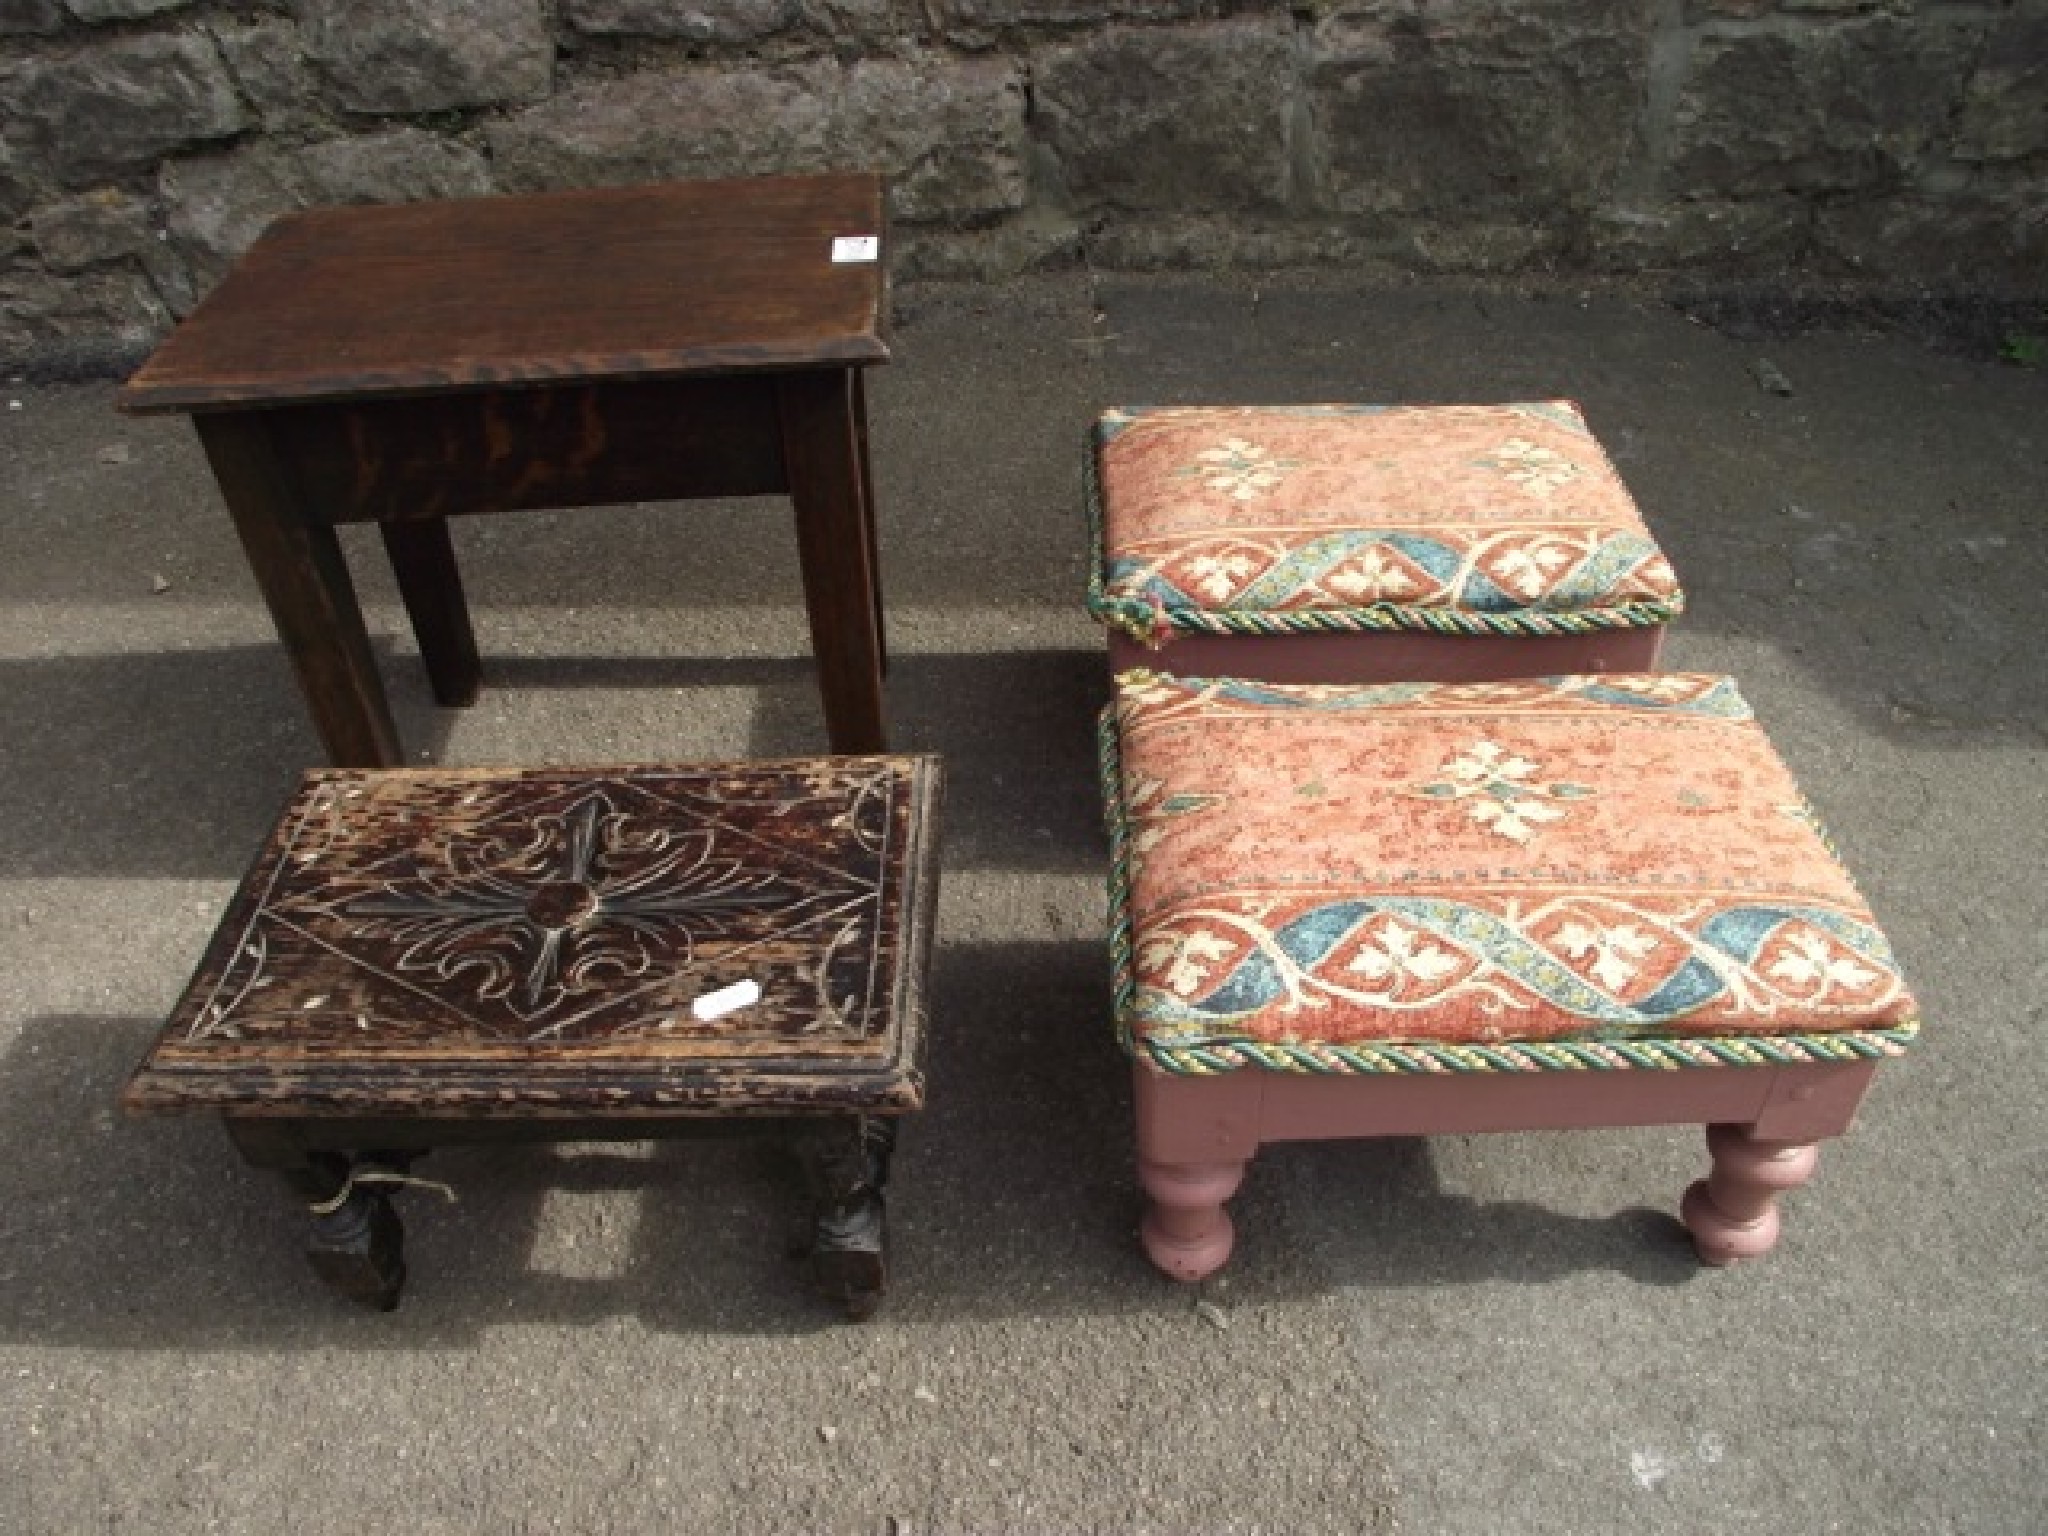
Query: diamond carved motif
(569, 911)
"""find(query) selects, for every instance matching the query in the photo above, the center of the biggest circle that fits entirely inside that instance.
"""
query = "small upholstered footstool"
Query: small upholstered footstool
(1424, 908)
(1361, 544)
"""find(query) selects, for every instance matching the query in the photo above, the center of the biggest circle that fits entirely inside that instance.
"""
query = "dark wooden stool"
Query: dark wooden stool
(431, 957)
(404, 365)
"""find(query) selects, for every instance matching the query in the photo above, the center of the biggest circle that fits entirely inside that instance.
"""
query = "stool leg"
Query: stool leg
(423, 560)
(846, 1165)
(867, 502)
(821, 457)
(1733, 1212)
(1185, 1230)
(358, 1247)
(354, 1240)
(306, 583)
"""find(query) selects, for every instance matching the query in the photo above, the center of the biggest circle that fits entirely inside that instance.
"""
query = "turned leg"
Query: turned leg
(1733, 1212)
(846, 1165)
(1186, 1231)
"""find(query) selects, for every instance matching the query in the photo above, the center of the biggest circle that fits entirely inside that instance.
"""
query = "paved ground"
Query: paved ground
(1500, 1335)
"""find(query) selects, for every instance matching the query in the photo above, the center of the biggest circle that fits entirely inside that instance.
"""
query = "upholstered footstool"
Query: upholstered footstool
(1423, 908)
(1353, 543)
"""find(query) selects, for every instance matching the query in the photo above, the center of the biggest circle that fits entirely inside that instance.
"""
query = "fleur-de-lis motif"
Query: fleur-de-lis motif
(1538, 470)
(588, 901)
(1533, 570)
(1220, 575)
(1187, 957)
(1402, 954)
(1808, 961)
(1371, 578)
(1239, 469)
(1651, 685)
(1496, 783)
(1148, 809)
(1616, 953)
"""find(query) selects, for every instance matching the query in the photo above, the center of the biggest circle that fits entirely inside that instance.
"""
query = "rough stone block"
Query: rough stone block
(403, 165)
(220, 205)
(268, 62)
(879, 23)
(399, 56)
(29, 18)
(951, 137)
(1483, 247)
(1478, 108)
(95, 319)
(1031, 242)
(650, 126)
(699, 21)
(169, 276)
(1763, 238)
(1990, 240)
(116, 107)
(17, 190)
(949, 133)
(1750, 10)
(1219, 242)
(96, 11)
(1193, 119)
(2005, 107)
(80, 232)
(998, 15)
(1827, 109)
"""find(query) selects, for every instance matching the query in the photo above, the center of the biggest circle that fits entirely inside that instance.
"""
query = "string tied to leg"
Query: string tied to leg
(375, 1174)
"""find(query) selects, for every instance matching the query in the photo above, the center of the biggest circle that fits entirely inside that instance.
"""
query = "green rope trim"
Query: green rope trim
(1204, 1056)
(1110, 766)
(1383, 1059)
(1154, 624)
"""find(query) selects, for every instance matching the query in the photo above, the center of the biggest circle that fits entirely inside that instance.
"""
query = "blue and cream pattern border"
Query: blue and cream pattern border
(1191, 1049)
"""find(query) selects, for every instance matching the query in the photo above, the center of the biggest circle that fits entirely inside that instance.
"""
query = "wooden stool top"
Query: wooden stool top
(530, 944)
(614, 283)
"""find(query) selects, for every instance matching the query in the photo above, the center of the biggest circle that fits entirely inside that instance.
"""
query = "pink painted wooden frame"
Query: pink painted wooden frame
(1197, 1134)
(1392, 656)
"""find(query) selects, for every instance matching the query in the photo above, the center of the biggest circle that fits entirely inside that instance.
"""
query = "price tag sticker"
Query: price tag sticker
(852, 248)
(716, 1005)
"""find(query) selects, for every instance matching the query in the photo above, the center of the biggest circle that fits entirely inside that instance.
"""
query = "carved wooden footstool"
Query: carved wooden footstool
(424, 958)
(1436, 907)
(1362, 544)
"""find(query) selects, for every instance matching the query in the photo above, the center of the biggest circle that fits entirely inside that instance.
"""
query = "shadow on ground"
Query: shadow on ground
(1013, 1195)
(220, 737)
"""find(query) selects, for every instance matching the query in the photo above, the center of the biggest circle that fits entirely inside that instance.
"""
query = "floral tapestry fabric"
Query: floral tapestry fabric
(1269, 519)
(1616, 857)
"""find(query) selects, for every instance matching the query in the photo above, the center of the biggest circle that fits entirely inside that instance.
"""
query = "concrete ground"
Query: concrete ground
(1463, 1335)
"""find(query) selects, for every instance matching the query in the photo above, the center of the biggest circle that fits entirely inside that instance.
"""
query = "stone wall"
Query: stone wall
(145, 142)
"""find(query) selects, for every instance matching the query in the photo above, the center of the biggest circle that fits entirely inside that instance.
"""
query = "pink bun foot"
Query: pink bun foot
(1186, 1232)
(1732, 1214)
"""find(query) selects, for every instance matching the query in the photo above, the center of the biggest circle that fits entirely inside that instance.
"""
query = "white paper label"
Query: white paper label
(857, 248)
(716, 1005)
